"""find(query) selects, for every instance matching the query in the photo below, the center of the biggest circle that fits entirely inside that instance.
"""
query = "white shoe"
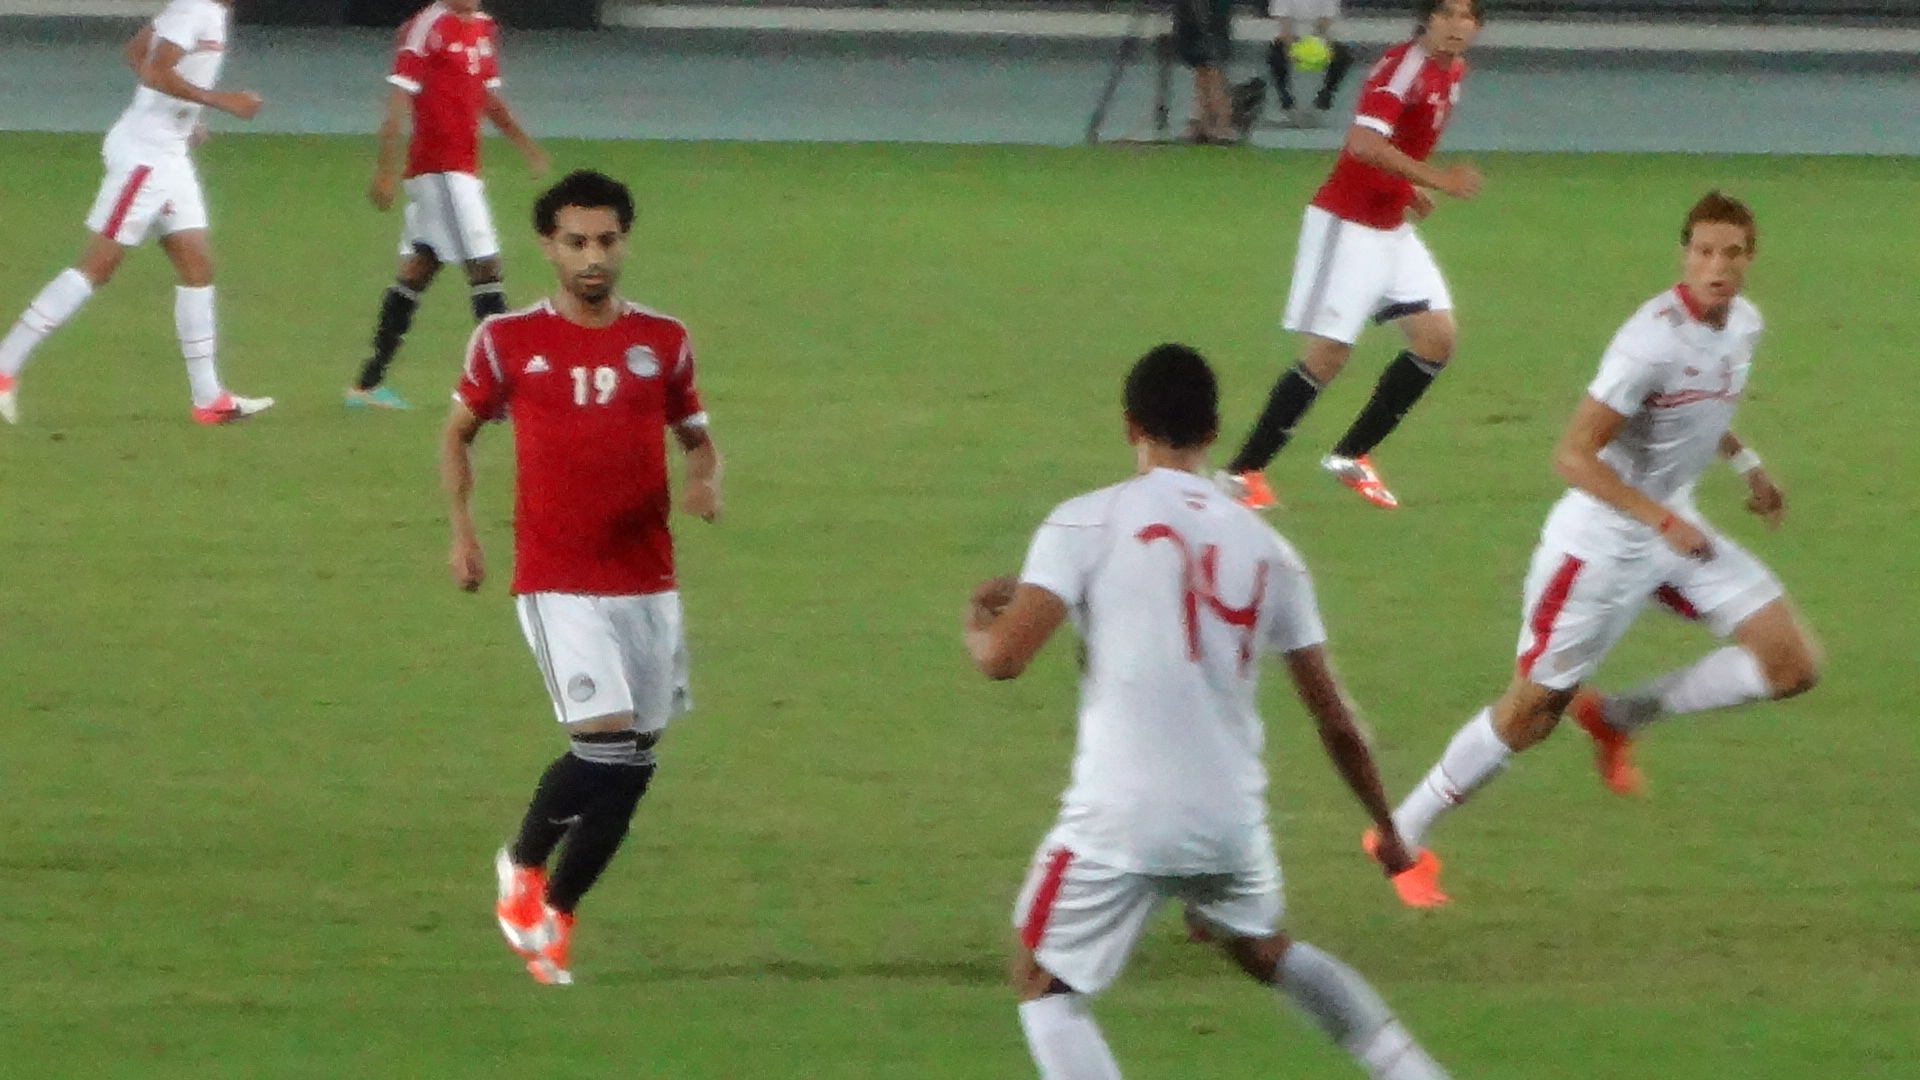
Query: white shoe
(230, 407)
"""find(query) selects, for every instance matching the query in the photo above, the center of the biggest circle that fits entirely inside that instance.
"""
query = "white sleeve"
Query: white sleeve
(1627, 377)
(1062, 557)
(177, 24)
(1295, 621)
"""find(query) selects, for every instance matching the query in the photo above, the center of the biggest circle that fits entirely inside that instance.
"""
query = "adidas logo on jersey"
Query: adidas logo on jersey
(537, 366)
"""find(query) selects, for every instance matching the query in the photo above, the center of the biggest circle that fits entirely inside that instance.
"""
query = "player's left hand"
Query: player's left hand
(467, 563)
(1422, 205)
(989, 599)
(1765, 499)
(701, 501)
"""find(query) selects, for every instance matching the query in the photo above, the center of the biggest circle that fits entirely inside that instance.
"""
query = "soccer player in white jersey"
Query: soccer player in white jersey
(1628, 533)
(1177, 592)
(151, 189)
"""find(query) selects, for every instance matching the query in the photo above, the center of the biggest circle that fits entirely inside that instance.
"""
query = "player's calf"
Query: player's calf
(1340, 1002)
(1788, 659)
(488, 294)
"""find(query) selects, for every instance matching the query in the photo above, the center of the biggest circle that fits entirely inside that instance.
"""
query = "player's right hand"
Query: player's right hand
(1392, 853)
(1682, 536)
(468, 563)
(1460, 181)
(244, 104)
(380, 194)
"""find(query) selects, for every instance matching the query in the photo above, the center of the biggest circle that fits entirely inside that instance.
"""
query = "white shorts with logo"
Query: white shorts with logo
(1345, 275)
(603, 655)
(1578, 606)
(447, 213)
(145, 192)
(1304, 10)
(1081, 918)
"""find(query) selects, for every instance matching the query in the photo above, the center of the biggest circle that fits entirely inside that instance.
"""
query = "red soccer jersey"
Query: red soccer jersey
(590, 409)
(448, 63)
(1408, 97)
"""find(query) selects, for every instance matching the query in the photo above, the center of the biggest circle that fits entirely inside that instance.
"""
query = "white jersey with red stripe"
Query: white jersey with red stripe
(158, 123)
(1677, 380)
(1176, 591)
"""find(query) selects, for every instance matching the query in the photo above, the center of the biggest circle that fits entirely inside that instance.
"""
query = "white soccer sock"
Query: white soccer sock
(55, 305)
(1475, 756)
(1718, 680)
(1065, 1042)
(193, 320)
(1353, 1015)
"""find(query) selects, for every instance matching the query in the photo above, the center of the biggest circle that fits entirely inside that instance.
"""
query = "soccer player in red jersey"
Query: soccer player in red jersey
(447, 73)
(1360, 259)
(592, 383)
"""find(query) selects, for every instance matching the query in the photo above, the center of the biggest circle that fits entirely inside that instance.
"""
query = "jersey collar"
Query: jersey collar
(1687, 300)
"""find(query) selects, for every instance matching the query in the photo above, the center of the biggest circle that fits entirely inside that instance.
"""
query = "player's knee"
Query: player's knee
(1258, 957)
(1794, 673)
(1031, 982)
(613, 740)
(485, 272)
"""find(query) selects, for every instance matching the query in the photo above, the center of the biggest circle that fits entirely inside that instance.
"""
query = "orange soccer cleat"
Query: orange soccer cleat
(539, 934)
(229, 408)
(551, 966)
(1249, 489)
(1419, 884)
(1358, 473)
(1612, 748)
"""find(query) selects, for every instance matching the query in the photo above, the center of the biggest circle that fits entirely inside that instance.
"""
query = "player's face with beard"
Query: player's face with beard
(587, 249)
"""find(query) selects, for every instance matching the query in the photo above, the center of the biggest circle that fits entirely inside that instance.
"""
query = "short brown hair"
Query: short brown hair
(1425, 10)
(1720, 208)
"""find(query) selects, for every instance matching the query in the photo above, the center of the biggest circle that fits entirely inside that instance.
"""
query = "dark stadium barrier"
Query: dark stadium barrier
(532, 14)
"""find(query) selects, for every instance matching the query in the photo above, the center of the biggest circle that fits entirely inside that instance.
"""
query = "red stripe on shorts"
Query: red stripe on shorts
(124, 206)
(1547, 611)
(1676, 601)
(1043, 898)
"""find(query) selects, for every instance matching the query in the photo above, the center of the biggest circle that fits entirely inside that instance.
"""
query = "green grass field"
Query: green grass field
(257, 750)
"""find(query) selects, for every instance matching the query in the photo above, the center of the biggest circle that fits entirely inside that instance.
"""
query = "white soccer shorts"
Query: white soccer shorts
(1577, 607)
(1303, 10)
(447, 213)
(145, 193)
(1081, 918)
(1346, 274)
(603, 655)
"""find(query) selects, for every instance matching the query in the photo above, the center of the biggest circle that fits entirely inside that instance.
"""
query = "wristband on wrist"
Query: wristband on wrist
(1745, 461)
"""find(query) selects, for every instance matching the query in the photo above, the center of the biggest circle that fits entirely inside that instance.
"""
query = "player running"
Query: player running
(151, 188)
(1176, 592)
(1294, 20)
(1628, 532)
(447, 73)
(592, 382)
(1360, 258)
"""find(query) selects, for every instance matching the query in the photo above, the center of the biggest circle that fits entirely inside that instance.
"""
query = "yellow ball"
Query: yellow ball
(1310, 53)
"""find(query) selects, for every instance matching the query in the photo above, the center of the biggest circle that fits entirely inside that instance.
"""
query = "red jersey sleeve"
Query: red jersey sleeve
(1384, 97)
(410, 59)
(483, 384)
(490, 60)
(683, 398)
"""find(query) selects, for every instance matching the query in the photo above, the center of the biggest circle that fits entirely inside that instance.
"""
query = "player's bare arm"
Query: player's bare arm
(1765, 500)
(702, 497)
(465, 560)
(158, 71)
(137, 48)
(504, 122)
(1577, 460)
(1369, 146)
(1320, 693)
(1007, 625)
(386, 169)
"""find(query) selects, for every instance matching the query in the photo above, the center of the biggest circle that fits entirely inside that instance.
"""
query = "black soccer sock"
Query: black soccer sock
(1281, 65)
(560, 797)
(1399, 387)
(396, 318)
(603, 825)
(1292, 396)
(489, 298)
(1337, 67)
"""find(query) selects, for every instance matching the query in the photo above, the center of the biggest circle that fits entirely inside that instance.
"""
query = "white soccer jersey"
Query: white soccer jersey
(156, 122)
(1677, 380)
(1176, 591)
